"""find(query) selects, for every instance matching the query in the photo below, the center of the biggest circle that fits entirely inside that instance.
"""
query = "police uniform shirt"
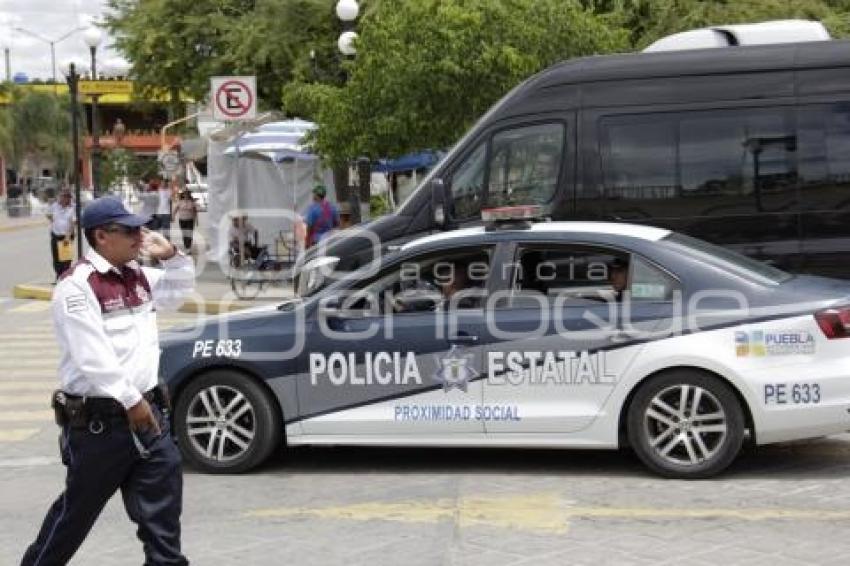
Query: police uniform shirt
(105, 323)
(62, 219)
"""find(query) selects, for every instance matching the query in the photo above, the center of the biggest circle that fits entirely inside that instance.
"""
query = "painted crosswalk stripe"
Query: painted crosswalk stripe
(48, 357)
(30, 373)
(33, 306)
(26, 416)
(17, 399)
(10, 365)
(6, 386)
(17, 434)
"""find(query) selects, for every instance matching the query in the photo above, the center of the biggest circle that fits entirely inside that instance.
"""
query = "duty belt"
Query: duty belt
(77, 411)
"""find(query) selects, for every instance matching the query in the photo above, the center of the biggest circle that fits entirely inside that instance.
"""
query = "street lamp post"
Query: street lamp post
(51, 42)
(347, 11)
(93, 37)
(73, 80)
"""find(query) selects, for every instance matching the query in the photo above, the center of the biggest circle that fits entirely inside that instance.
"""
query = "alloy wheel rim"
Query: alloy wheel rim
(221, 423)
(685, 425)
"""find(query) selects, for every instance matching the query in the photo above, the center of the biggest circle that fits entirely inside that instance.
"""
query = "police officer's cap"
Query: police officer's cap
(109, 210)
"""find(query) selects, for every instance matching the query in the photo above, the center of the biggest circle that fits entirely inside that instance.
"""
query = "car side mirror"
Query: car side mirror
(439, 200)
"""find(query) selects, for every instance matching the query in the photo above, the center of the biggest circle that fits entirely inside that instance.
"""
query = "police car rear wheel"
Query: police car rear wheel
(226, 423)
(686, 424)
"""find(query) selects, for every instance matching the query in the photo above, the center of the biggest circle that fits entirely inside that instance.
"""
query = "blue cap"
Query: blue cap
(109, 210)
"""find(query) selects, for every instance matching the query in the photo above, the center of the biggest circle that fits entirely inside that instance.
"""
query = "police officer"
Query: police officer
(114, 418)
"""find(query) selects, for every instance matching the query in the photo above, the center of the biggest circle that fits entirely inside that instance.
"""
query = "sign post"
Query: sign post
(234, 98)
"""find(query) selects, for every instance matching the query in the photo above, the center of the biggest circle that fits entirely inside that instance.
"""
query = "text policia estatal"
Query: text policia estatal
(503, 368)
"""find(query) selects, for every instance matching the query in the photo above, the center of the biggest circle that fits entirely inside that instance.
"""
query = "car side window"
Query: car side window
(436, 281)
(584, 275)
(648, 282)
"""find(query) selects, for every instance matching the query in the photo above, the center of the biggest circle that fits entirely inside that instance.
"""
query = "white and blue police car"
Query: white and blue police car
(530, 334)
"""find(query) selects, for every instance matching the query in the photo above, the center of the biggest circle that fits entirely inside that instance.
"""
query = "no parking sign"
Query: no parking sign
(234, 98)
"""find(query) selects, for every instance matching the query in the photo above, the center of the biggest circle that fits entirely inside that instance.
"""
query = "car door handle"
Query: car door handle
(463, 339)
(621, 336)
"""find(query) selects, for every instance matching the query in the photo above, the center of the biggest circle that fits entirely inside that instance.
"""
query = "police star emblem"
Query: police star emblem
(455, 369)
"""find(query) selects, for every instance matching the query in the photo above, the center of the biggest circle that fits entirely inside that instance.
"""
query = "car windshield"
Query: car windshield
(729, 259)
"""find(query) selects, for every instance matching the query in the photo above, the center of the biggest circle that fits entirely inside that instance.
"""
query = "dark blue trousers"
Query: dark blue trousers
(98, 465)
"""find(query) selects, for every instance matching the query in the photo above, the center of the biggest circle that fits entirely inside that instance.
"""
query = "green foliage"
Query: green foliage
(176, 44)
(180, 44)
(379, 205)
(35, 126)
(649, 20)
(426, 70)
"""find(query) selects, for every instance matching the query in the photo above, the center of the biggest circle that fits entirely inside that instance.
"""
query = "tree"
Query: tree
(649, 20)
(35, 127)
(179, 44)
(425, 70)
(172, 44)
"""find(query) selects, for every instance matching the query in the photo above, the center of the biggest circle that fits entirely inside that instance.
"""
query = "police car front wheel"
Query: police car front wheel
(686, 424)
(226, 423)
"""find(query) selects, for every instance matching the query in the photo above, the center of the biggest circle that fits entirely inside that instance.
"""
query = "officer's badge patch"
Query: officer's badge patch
(76, 303)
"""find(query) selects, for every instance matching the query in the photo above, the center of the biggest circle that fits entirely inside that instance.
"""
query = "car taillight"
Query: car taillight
(834, 322)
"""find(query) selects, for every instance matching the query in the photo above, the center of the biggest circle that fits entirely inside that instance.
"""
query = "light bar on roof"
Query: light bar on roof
(507, 213)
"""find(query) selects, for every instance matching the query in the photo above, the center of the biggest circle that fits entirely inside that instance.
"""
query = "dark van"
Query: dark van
(748, 147)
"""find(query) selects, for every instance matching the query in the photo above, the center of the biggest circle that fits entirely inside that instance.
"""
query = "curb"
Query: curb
(40, 293)
(32, 292)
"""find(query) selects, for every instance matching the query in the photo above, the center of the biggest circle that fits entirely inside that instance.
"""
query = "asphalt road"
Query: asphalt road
(785, 504)
(24, 257)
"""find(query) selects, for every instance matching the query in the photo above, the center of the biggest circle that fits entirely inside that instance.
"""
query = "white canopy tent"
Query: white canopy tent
(266, 174)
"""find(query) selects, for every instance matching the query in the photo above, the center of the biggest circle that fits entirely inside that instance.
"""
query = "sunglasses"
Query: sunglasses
(126, 230)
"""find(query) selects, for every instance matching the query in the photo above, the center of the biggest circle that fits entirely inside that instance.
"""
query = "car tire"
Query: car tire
(685, 424)
(226, 422)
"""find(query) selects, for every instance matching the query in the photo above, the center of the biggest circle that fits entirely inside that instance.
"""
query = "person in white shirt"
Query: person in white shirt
(149, 198)
(163, 210)
(62, 223)
(113, 415)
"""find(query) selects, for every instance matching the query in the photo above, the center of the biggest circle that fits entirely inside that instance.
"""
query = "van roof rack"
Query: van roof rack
(518, 217)
(762, 33)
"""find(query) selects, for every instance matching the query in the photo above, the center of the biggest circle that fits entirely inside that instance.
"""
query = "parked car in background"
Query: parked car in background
(17, 201)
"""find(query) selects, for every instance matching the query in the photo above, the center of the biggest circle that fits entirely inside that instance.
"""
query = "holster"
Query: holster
(69, 410)
(162, 396)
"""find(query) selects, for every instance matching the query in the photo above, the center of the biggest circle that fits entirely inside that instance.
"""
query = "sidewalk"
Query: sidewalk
(213, 294)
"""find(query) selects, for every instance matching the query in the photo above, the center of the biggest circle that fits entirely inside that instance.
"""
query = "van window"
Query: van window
(825, 157)
(467, 185)
(712, 163)
(525, 164)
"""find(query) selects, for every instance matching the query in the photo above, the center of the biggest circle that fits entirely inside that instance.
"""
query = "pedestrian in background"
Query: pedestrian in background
(163, 209)
(62, 223)
(150, 201)
(321, 217)
(186, 211)
(113, 415)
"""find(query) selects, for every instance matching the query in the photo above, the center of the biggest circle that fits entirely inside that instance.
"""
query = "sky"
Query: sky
(51, 19)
